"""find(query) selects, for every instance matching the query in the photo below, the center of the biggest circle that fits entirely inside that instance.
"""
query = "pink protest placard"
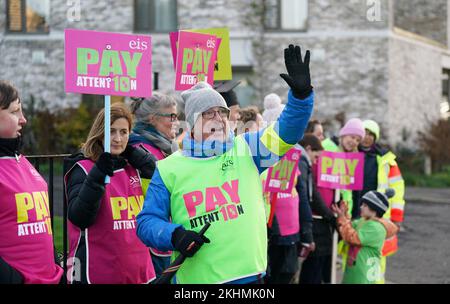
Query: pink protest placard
(281, 177)
(195, 60)
(339, 170)
(174, 46)
(103, 63)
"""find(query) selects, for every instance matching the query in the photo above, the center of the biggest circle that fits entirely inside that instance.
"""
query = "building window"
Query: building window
(28, 16)
(155, 16)
(245, 91)
(288, 15)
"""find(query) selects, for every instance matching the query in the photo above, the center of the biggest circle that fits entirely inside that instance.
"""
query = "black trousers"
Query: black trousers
(316, 270)
(283, 264)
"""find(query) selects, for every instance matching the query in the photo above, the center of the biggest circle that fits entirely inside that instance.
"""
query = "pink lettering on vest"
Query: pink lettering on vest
(191, 200)
(232, 190)
(214, 197)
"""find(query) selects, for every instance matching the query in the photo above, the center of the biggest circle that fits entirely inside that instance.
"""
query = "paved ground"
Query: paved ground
(424, 243)
(428, 194)
(424, 254)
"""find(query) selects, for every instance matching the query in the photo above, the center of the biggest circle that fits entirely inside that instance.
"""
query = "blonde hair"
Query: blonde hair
(93, 147)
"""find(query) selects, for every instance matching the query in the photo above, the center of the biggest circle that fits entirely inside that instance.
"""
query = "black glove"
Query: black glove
(140, 159)
(299, 78)
(128, 152)
(187, 242)
(105, 164)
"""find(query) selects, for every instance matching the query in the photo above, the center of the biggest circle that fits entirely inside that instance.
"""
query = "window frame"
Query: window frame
(278, 27)
(135, 30)
(23, 6)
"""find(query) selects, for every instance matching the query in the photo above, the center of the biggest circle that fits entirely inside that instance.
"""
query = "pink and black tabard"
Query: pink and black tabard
(159, 155)
(26, 240)
(114, 254)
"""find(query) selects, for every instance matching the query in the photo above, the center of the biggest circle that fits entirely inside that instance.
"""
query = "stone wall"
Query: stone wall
(99, 15)
(352, 77)
(415, 89)
(423, 17)
(347, 15)
(2, 16)
(356, 68)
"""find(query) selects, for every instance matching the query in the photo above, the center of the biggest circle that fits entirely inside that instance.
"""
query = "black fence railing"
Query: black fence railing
(51, 167)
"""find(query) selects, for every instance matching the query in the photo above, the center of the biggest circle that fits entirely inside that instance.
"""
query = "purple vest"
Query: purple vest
(26, 241)
(115, 255)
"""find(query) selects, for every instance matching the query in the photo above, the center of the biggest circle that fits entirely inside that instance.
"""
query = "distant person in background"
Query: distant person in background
(272, 108)
(381, 171)
(316, 266)
(291, 232)
(350, 136)
(315, 127)
(27, 255)
(155, 129)
(251, 120)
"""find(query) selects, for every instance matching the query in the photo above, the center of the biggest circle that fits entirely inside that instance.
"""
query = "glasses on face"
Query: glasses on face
(223, 113)
(173, 116)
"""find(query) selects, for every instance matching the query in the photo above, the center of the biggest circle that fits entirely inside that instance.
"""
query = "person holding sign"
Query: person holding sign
(381, 171)
(26, 242)
(365, 237)
(350, 136)
(316, 266)
(155, 129)
(215, 179)
(102, 226)
(290, 223)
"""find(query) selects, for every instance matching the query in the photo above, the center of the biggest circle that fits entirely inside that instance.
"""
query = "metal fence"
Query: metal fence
(41, 162)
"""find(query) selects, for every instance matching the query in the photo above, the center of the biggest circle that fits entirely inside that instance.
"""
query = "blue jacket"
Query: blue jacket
(153, 225)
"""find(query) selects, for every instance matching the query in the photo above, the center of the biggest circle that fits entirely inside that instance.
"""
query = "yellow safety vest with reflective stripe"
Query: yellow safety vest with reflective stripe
(389, 176)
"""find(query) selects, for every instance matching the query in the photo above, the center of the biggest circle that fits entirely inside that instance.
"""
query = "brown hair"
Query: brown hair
(8, 94)
(312, 141)
(312, 125)
(93, 146)
(248, 114)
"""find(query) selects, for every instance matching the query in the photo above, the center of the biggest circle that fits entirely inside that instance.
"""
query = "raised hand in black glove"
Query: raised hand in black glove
(298, 77)
(105, 164)
(187, 242)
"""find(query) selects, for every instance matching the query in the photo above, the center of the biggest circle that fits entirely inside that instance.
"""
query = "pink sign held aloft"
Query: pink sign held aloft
(173, 36)
(281, 177)
(340, 170)
(104, 63)
(195, 59)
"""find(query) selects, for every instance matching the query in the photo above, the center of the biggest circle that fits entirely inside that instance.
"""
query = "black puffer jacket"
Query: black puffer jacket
(84, 192)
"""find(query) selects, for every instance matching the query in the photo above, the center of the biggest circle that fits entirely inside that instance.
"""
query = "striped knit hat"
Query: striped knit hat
(378, 201)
